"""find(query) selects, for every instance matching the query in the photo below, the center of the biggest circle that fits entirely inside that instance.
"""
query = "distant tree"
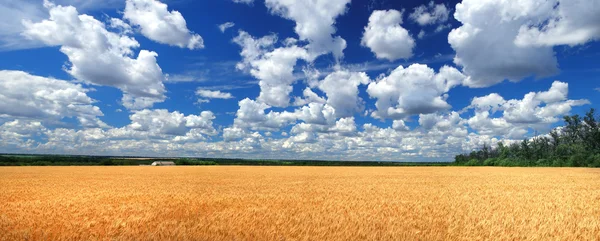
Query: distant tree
(576, 144)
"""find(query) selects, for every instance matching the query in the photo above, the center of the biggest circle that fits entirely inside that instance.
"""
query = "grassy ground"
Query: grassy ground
(299, 203)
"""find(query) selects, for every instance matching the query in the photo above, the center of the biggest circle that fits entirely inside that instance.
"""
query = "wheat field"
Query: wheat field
(298, 203)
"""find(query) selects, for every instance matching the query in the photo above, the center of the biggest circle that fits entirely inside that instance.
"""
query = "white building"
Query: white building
(163, 163)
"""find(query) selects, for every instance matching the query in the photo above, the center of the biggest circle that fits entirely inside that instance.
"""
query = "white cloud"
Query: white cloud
(249, 2)
(120, 25)
(314, 23)
(252, 48)
(216, 94)
(536, 110)
(19, 135)
(275, 72)
(161, 133)
(316, 113)
(12, 12)
(485, 47)
(399, 125)
(274, 69)
(341, 88)
(430, 14)
(341, 140)
(290, 41)
(413, 90)
(345, 127)
(557, 92)
(161, 25)
(386, 38)
(233, 133)
(25, 96)
(18, 129)
(484, 124)
(309, 97)
(530, 109)
(100, 57)
(567, 22)
(251, 111)
(190, 76)
(251, 114)
(313, 133)
(492, 102)
(439, 136)
(213, 94)
(441, 122)
(225, 26)
(150, 131)
(171, 123)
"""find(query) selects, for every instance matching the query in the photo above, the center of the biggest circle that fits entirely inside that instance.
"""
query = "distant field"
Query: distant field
(299, 203)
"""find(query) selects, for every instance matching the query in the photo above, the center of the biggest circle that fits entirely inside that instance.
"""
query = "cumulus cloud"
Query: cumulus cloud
(251, 114)
(430, 14)
(159, 24)
(12, 12)
(162, 121)
(275, 72)
(417, 89)
(496, 22)
(442, 122)
(536, 110)
(341, 88)
(150, 131)
(252, 48)
(225, 26)
(529, 109)
(100, 57)
(314, 23)
(399, 125)
(522, 35)
(274, 69)
(571, 22)
(233, 133)
(120, 25)
(159, 132)
(386, 38)
(25, 96)
(341, 140)
(485, 124)
(19, 135)
(491, 102)
(316, 113)
(18, 129)
(309, 97)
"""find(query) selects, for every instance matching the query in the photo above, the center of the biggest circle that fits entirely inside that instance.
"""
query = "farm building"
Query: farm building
(163, 163)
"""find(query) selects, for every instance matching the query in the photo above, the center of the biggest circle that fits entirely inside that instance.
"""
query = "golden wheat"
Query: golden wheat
(299, 203)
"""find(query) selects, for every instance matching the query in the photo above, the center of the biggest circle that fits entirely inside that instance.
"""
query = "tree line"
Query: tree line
(65, 160)
(576, 144)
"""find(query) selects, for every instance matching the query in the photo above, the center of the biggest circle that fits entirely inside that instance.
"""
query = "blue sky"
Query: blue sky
(322, 79)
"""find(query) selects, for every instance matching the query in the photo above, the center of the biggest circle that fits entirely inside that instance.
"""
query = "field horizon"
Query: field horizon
(299, 203)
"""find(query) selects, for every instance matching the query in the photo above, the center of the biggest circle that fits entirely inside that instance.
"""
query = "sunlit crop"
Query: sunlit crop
(299, 203)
